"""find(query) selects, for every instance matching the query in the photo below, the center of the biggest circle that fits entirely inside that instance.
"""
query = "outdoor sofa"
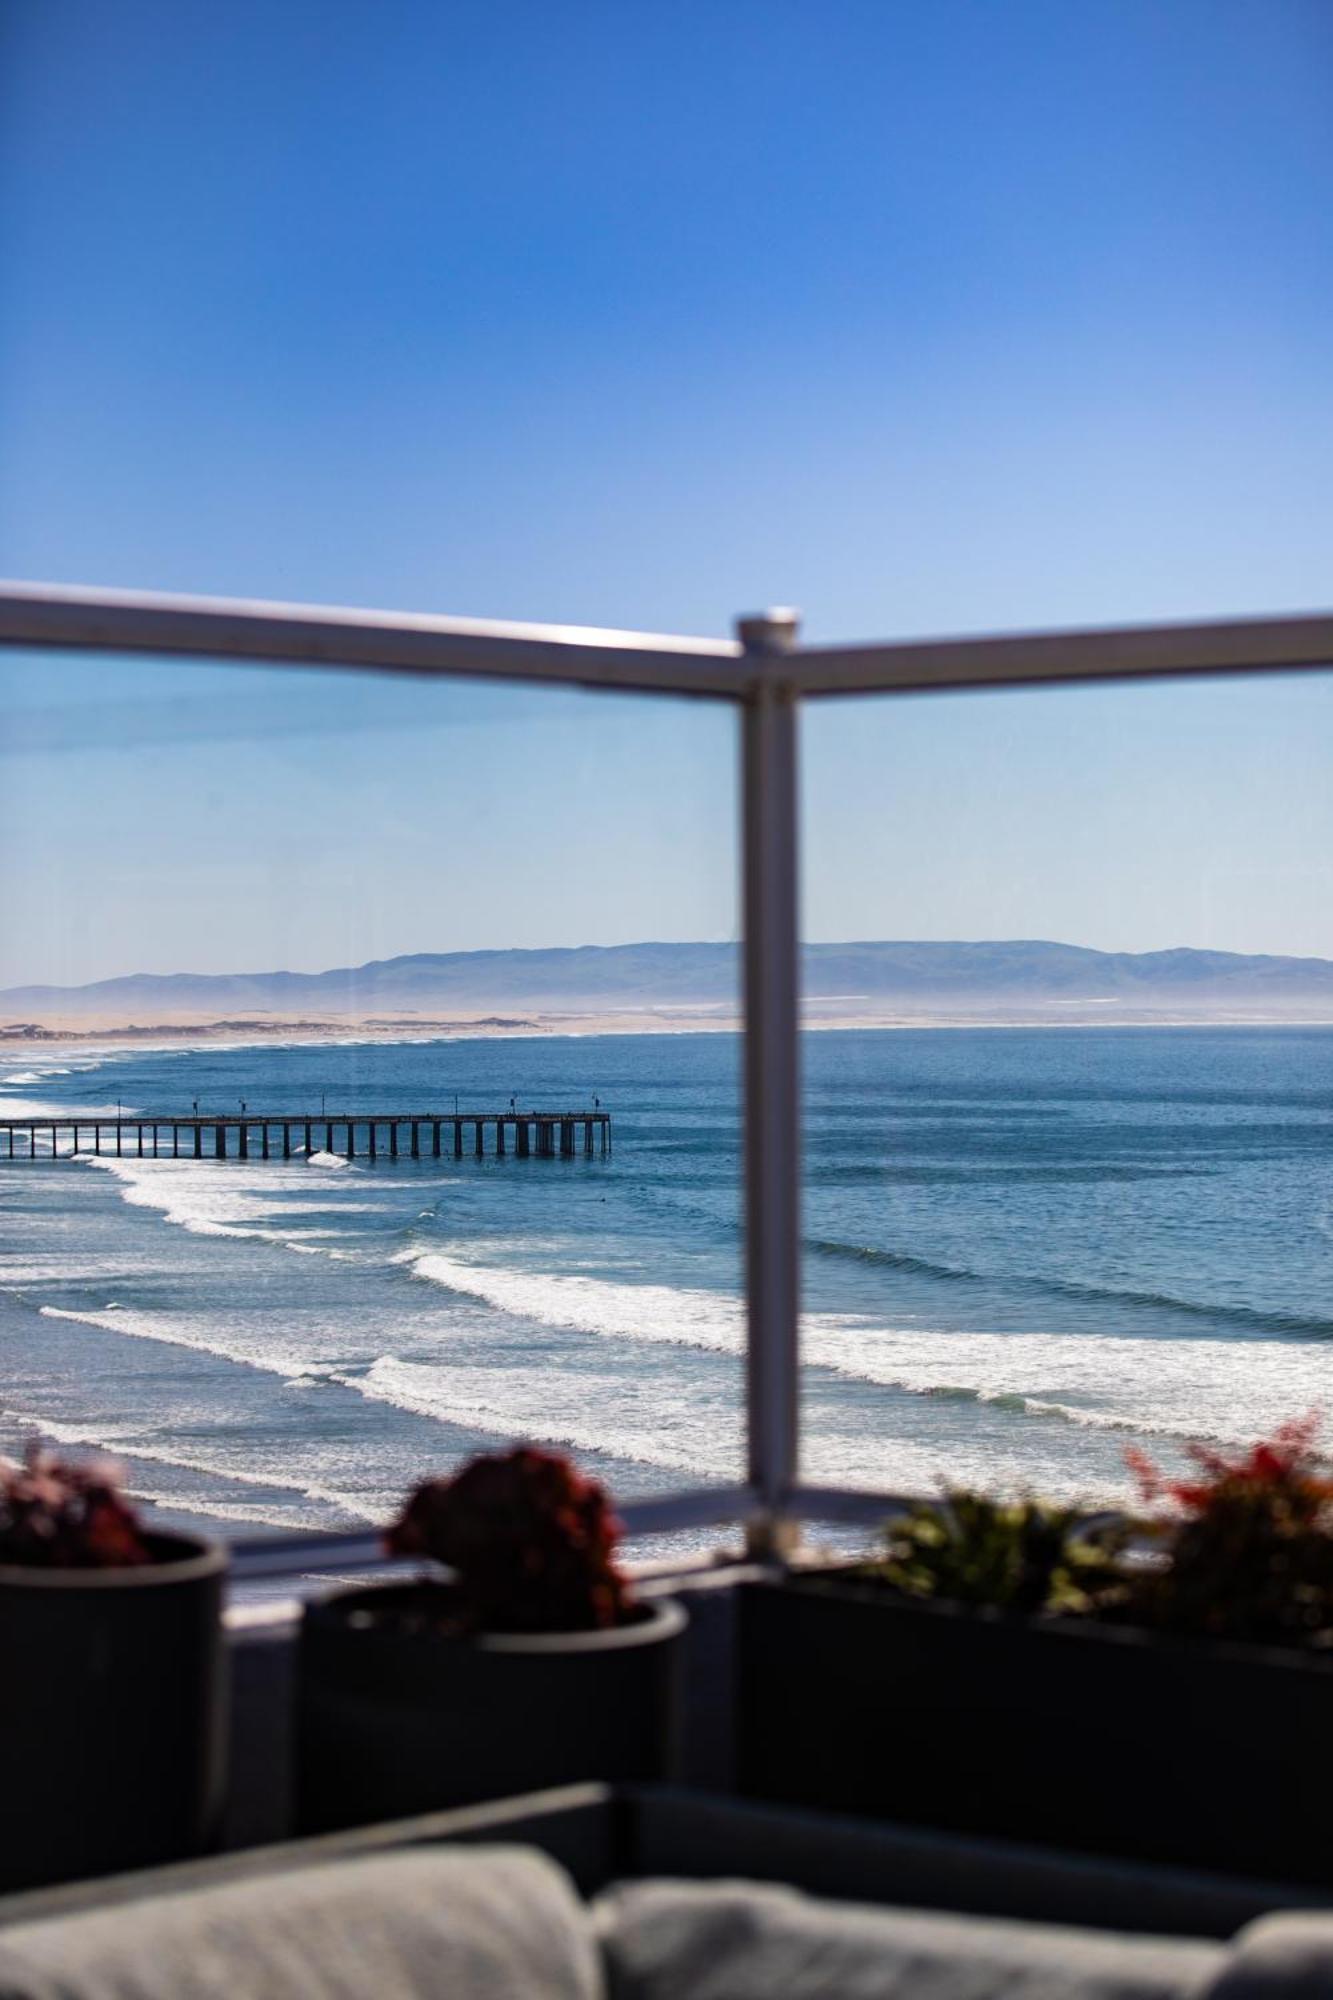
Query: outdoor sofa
(648, 1894)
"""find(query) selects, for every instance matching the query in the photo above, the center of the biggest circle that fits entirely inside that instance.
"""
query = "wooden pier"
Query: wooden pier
(542, 1135)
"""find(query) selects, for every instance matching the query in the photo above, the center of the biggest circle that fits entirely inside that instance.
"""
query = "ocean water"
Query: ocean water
(1024, 1251)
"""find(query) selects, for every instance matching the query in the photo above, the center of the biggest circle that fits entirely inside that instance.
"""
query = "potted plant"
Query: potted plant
(530, 1664)
(111, 1679)
(1161, 1689)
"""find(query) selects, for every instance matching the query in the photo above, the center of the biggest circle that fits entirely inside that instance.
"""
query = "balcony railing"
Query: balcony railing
(766, 676)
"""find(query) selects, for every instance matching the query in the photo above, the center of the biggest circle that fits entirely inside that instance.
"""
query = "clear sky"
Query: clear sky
(960, 316)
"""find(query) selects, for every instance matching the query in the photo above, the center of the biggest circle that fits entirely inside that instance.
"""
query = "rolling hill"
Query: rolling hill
(1010, 980)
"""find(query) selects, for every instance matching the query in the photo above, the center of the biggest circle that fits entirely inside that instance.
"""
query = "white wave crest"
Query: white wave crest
(19, 1108)
(570, 1410)
(1227, 1391)
(679, 1315)
(208, 1200)
(176, 1330)
(124, 1443)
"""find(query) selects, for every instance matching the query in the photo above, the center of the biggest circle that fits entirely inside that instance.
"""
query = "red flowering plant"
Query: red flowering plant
(1248, 1541)
(530, 1540)
(58, 1514)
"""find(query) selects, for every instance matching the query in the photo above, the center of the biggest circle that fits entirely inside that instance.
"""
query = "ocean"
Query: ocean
(1024, 1251)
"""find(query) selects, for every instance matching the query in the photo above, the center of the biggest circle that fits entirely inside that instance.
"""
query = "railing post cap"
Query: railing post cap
(772, 631)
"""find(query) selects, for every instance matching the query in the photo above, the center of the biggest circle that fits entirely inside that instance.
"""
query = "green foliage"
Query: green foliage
(1022, 1556)
(1241, 1549)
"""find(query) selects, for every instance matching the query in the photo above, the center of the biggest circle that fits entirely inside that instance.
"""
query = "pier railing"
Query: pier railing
(349, 1134)
(766, 677)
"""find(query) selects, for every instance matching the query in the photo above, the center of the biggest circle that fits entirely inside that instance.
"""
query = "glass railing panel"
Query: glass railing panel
(1068, 1076)
(386, 1035)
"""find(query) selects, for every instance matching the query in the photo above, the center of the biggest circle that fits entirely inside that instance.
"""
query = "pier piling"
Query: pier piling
(533, 1132)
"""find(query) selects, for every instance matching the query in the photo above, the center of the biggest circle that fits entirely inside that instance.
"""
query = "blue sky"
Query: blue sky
(964, 316)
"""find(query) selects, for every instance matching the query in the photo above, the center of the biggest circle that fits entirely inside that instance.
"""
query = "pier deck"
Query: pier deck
(543, 1135)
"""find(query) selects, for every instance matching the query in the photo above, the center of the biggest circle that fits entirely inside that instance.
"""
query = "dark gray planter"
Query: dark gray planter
(1074, 1735)
(112, 1713)
(394, 1722)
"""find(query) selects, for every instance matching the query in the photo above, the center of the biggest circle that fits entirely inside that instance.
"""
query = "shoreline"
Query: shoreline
(64, 1036)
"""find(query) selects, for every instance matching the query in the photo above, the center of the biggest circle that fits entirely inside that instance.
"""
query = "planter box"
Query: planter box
(393, 1722)
(112, 1714)
(1109, 1741)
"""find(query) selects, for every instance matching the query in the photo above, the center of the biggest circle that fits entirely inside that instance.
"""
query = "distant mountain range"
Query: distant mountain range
(877, 980)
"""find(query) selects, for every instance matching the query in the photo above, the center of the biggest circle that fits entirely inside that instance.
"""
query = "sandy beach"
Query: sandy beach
(70, 1031)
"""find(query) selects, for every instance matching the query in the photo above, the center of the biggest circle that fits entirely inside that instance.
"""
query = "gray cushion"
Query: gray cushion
(492, 1923)
(20, 1981)
(1279, 1958)
(749, 1941)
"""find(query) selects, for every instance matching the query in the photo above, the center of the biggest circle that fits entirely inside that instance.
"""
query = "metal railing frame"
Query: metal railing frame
(766, 677)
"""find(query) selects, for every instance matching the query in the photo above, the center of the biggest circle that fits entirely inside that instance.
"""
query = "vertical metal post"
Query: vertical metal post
(772, 1075)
